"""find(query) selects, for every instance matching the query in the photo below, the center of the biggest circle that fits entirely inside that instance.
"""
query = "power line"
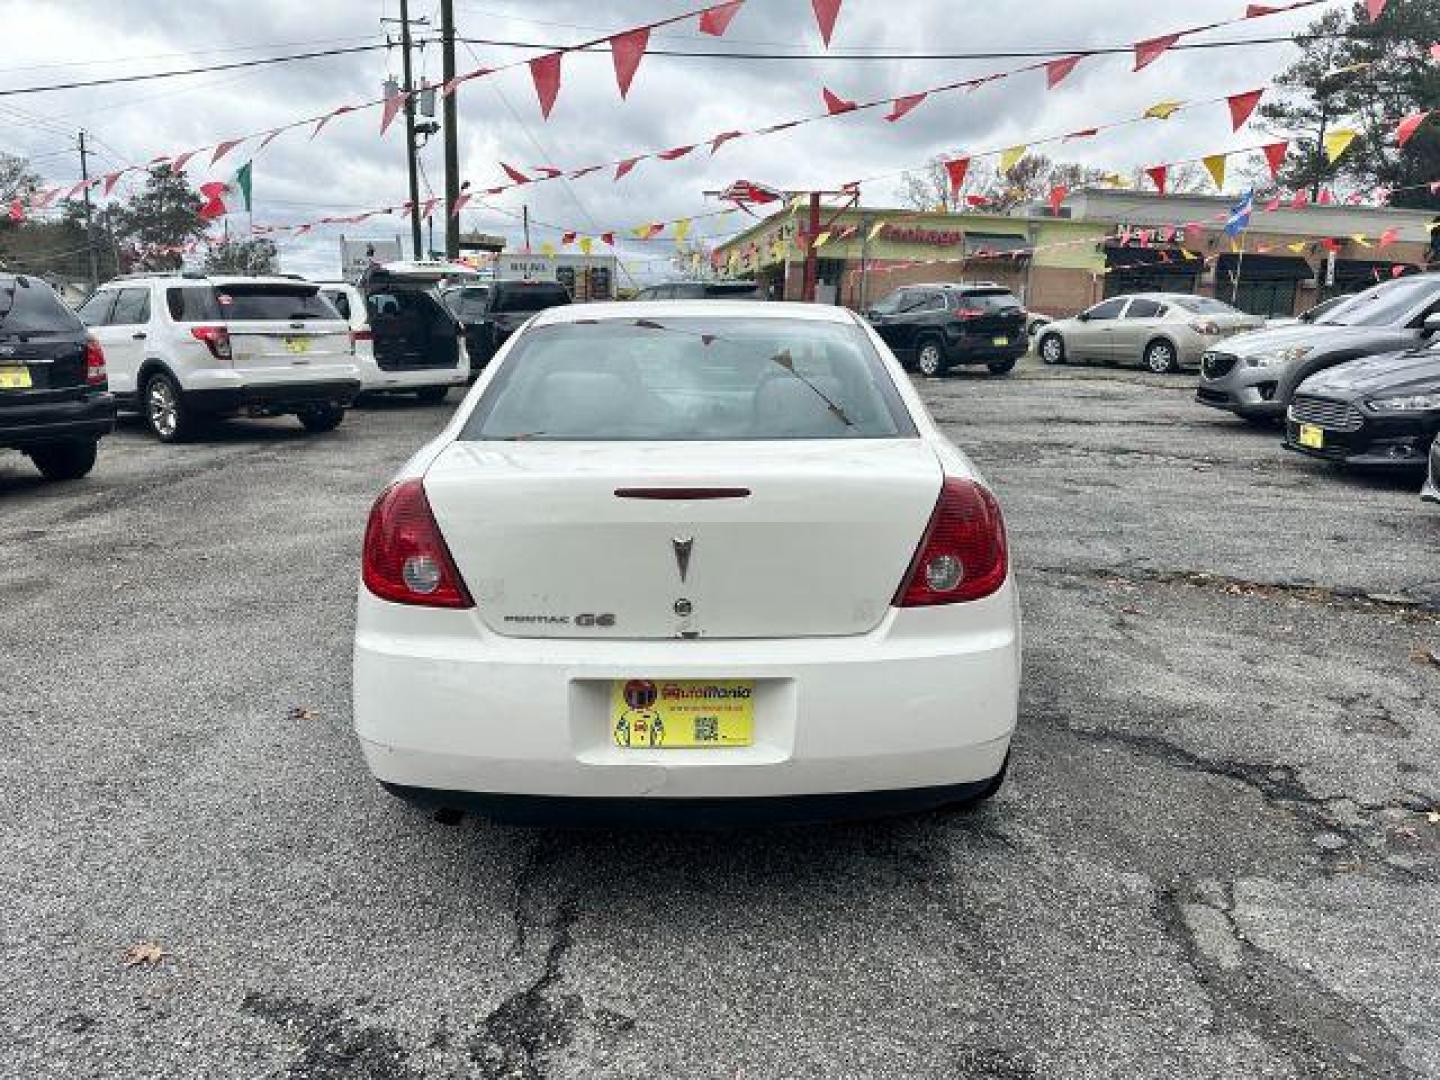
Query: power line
(189, 52)
(177, 72)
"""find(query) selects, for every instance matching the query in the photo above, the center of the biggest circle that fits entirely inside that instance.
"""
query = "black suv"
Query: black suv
(935, 327)
(702, 290)
(507, 305)
(55, 403)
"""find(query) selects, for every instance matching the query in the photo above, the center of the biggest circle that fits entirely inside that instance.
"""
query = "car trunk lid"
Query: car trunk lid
(659, 540)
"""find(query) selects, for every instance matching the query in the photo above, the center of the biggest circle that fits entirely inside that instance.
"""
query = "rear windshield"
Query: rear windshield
(991, 300)
(1203, 305)
(691, 379)
(530, 297)
(274, 303)
(740, 290)
(467, 305)
(28, 306)
(1382, 305)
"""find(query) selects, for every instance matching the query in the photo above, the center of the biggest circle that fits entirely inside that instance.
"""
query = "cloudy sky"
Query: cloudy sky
(674, 100)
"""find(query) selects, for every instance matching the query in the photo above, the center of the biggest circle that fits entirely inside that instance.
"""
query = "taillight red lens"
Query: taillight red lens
(94, 363)
(405, 559)
(968, 313)
(361, 335)
(216, 338)
(963, 555)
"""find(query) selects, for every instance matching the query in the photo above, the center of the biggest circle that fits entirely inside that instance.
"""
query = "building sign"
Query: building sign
(906, 234)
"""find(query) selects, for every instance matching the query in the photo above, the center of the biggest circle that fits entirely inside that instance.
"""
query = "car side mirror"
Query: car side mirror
(1084, 316)
(1431, 326)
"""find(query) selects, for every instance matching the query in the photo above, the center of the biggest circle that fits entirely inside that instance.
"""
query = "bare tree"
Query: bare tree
(1029, 180)
(16, 177)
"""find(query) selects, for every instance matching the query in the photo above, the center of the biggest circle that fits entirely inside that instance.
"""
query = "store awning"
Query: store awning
(1361, 272)
(1263, 267)
(996, 243)
(1151, 260)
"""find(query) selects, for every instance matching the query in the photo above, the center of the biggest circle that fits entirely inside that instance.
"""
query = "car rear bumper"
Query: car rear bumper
(274, 397)
(927, 700)
(1401, 445)
(985, 351)
(23, 426)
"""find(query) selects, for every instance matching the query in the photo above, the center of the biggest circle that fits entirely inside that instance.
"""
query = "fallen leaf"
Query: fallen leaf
(146, 954)
(1433, 817)
(1421, 655)
(298, 712)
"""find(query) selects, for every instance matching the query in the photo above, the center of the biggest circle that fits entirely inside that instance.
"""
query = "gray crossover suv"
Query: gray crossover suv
(1255, 375)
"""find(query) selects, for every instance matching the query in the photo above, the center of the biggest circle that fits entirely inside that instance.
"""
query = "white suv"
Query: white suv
(181, 348)
(406, 340)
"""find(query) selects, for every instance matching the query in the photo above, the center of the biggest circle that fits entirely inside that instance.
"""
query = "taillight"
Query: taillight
(94, 363)
(361, 335)
(968, 313)
(216, 338)
(405, 559)
(962, 555)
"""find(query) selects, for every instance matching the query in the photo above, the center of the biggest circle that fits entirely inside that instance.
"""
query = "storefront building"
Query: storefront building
(1102, 243)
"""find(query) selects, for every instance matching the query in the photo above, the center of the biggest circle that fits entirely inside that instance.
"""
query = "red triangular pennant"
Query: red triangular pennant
(1254, 11)
(977, 200)
(392, 106)
(1388, 237)
(608, 239)
(1083, 133)
(1326, 197)
(956, 169)
(455, 207)
(545, 71)
(566, 239)
(214, 205)
(625, 166)
(515, 174)
(1242, 105)
(1407, 127)
(626, 50)
(224, 148)
(716, 20)
(1055, 70)
(1375, 8)
(451, 84)
(721, 139)
(320, 124)
(834, 103)
(825, 14)
(1057, 196)
(903, 105)
(178, 163)
(1275, 157)
(111, 179)
(677, 152)
(549, 171)
(1158, 173)
(1147, 52)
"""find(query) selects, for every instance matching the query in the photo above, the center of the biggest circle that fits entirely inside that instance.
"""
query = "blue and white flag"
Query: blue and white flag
(1239, 219)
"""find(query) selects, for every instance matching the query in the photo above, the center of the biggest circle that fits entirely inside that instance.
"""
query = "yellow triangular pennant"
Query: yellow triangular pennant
(1188, 255)
(547, 248)
(1162, 110)
(682, 230)
(1337, 142)
(1010, 157)
(1215, 166)
(586, 244)
(1297, 248)
(875, 230)
(822, 239)
(1359, 238)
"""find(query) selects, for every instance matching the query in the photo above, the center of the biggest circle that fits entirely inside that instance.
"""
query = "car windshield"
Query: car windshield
(28, 307)
(275, 303)
(530, 297)
(692, 379)
(1382, 305)
(991, 300)
(1203, 305)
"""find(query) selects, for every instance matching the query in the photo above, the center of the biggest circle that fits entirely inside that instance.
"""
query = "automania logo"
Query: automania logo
(671, 692)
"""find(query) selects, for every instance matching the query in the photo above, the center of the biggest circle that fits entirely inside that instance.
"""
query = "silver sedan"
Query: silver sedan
(1160, 331)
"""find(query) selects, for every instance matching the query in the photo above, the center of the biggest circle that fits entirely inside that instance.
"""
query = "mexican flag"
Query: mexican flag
(229, 197)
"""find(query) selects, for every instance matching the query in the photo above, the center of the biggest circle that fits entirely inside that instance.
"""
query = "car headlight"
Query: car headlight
(1407, 402)
(1279, 356)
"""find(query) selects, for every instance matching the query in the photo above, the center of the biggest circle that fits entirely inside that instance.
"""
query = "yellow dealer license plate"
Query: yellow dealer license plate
(15, 378)
(298, 344)
(1312, 436)
(677, 714)
(1000, 340)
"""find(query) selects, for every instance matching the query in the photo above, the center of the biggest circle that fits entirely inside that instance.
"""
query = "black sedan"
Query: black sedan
(55, 402)
(1379, 412)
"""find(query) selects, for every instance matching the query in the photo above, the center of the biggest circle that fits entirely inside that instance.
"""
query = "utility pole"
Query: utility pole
(408, 89)
(89, 225)
(812, 261)
(452, 141)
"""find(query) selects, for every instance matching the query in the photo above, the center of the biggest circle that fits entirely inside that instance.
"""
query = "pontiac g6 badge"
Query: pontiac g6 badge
(682, 546)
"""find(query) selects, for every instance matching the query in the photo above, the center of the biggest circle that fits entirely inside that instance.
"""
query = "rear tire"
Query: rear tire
(1161, 358)
(163, 405)
(930, 359)
(65, 461)
(1052, 349)
(321, 418)
(1002, 367)
(431, 395)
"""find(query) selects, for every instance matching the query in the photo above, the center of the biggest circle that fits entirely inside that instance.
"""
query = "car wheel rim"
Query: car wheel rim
(929, 360)
(1051, 350)
(1160, 358)
(162, 408)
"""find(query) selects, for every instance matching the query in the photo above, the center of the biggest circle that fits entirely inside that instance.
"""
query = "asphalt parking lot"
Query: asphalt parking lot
(1216, 855)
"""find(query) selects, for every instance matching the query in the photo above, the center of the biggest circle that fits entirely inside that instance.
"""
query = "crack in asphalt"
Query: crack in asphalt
(332, 1046)
(1324, 1033)
(1423, 609)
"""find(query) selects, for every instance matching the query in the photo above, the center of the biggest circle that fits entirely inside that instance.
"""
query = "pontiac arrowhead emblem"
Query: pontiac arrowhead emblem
(682, 546)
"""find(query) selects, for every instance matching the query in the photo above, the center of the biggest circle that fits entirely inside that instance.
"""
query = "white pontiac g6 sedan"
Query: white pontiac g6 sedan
(705, 561)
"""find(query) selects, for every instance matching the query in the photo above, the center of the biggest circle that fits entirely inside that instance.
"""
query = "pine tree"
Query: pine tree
(164, 214)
